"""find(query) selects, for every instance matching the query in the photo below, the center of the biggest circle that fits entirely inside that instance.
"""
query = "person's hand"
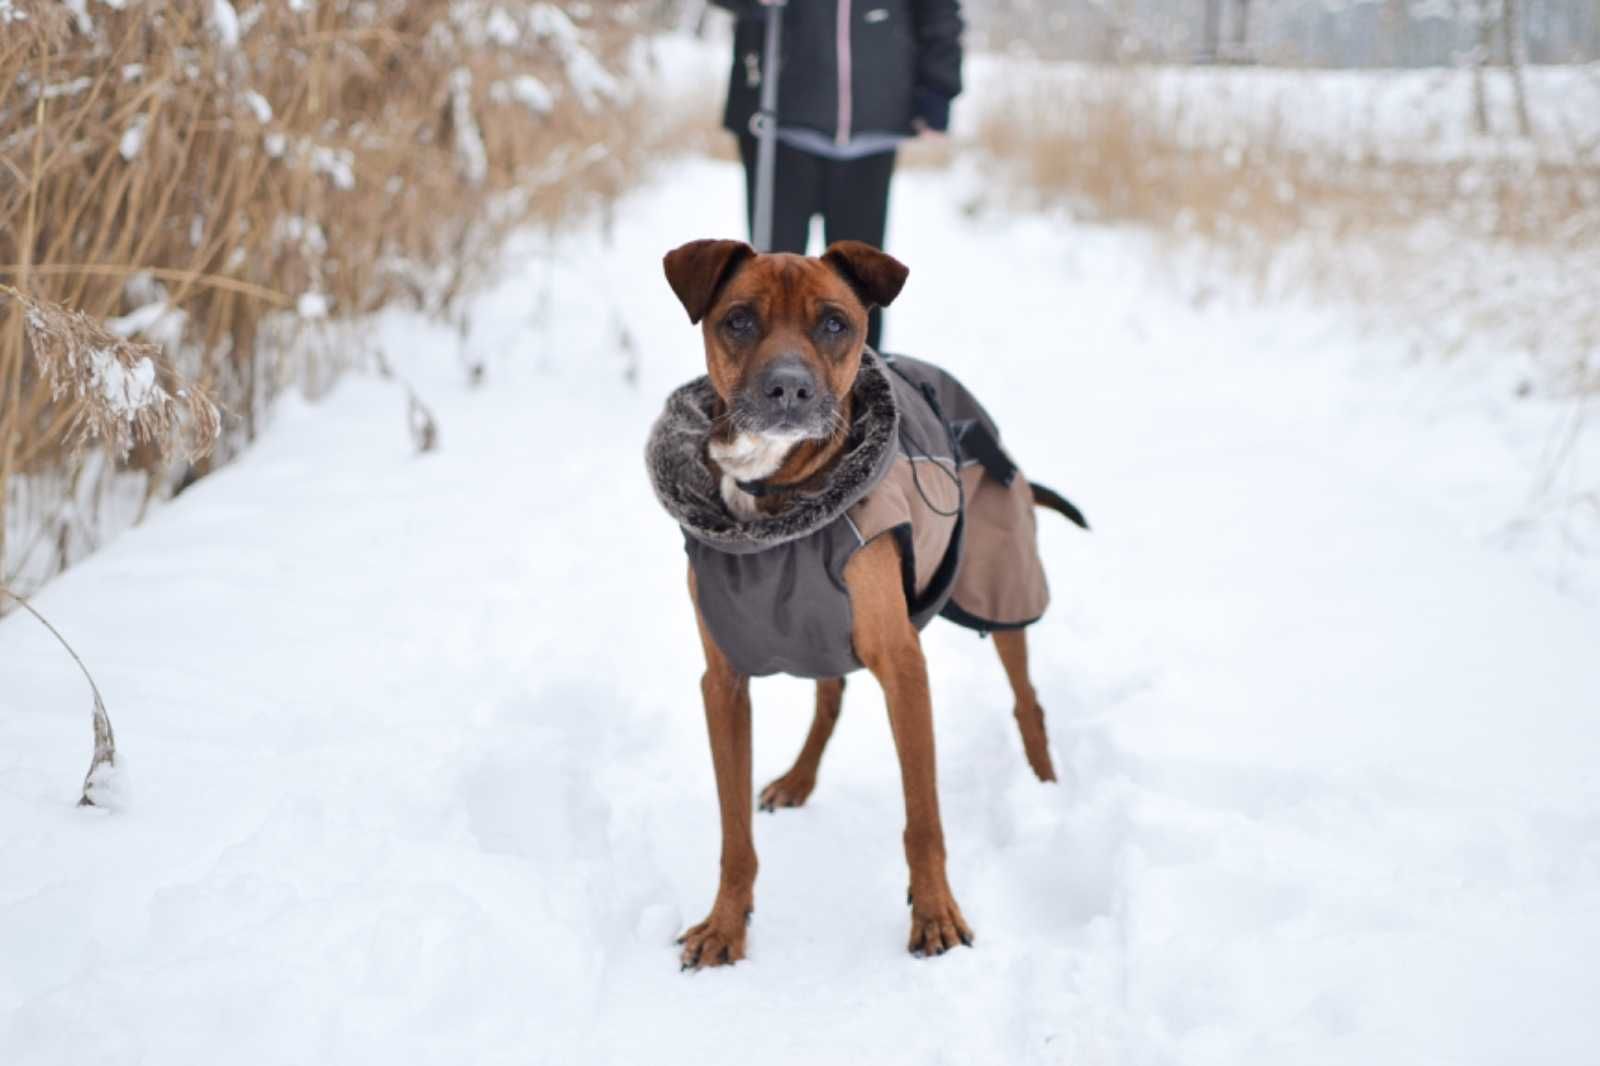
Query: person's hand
(923, 131)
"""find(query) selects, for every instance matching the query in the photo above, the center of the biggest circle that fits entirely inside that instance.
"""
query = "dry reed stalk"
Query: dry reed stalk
(103, 764)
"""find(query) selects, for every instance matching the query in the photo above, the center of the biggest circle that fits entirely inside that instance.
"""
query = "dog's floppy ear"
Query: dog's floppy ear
(875, 276)
(698, 270)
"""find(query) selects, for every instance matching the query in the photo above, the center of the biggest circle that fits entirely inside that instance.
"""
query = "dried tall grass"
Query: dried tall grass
(1133, 144)
(215, 177)
(1352, 217)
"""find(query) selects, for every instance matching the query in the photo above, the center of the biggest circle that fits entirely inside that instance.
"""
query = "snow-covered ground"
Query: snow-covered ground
(416, 769)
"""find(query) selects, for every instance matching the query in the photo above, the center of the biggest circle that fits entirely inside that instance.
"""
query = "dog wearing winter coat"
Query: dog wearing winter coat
(833, 501)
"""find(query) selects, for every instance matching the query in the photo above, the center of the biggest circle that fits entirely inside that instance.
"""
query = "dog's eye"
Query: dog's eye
(739, 321)
(833, 324)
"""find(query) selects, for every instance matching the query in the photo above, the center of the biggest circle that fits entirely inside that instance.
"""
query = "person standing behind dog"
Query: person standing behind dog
(856, 78)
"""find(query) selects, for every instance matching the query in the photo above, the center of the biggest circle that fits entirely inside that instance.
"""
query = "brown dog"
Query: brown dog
(784, 342)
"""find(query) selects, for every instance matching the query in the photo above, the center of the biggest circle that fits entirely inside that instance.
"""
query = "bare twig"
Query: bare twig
(424, 429)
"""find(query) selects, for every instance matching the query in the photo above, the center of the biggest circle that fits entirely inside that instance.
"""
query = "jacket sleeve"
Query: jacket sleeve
(938, 59)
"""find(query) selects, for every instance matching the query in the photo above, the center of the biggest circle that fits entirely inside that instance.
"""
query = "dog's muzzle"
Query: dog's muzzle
(786, 398)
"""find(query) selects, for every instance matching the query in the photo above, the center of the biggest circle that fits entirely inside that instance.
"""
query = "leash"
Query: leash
(764, 123)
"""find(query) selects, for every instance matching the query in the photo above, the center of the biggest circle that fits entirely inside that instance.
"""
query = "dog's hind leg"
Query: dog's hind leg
(1012, 644)
(794, 787)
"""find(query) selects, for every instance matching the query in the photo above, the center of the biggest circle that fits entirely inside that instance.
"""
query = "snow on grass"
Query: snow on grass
(225, 23)
(422, 766)
(157, 320)
(126, 390)
(66, 88)
(335, 164)
(471, 155)
(311, 305)
(586, 75)
(526, 90)
(258, 105)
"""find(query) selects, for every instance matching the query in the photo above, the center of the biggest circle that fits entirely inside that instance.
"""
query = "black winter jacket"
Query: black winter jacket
(899, 60)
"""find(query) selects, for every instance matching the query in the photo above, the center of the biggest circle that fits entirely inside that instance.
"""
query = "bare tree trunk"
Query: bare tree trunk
(1516, 59)
(1392, 20)
(1241, 30)
(1480, 59)
(1211, 39)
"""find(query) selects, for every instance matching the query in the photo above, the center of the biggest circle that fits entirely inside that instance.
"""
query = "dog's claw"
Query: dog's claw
(966, 937)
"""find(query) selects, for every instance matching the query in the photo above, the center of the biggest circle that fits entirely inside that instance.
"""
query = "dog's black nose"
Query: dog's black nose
(788, 384)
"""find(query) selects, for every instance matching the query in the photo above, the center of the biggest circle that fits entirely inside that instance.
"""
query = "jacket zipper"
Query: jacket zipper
(843, 29)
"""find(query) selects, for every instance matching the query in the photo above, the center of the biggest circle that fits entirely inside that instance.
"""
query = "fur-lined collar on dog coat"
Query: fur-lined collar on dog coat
(771, 589)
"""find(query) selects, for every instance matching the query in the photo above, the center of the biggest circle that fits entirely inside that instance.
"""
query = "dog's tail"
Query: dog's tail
(1052, 500)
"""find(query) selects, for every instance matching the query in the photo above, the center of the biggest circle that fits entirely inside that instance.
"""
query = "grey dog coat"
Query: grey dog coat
(921, 463)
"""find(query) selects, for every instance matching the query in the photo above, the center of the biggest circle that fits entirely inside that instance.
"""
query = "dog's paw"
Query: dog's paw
(937, 926)
(714, 942)
(790, 790)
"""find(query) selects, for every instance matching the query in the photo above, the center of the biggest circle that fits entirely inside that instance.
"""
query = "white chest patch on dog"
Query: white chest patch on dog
(745, 458)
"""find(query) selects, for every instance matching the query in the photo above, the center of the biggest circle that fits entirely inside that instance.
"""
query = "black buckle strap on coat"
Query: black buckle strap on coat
(761, 487)
(978, 443)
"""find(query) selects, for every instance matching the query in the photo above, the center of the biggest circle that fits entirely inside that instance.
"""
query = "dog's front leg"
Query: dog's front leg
(888, 645)
(720, 938)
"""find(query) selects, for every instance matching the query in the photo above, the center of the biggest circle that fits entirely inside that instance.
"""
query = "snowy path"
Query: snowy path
(417, 768)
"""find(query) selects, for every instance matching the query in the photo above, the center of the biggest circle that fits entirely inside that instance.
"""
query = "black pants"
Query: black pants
(851, 195)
